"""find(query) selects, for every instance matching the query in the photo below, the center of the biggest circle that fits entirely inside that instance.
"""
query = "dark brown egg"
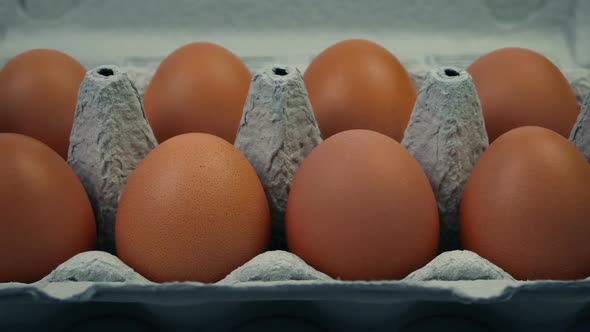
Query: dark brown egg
(361, 208)
(357, 84)
(200, 87)
(38, 95)
(518, 87)
(45, 214)
(525, 206)
(193, 210)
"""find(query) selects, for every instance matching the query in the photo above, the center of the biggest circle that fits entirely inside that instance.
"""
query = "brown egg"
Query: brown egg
(361, 208)
(518, 87)
(45, 215)
(193, 210)
(38, 95)
(357, 84)
(200, 87)
(525, 206)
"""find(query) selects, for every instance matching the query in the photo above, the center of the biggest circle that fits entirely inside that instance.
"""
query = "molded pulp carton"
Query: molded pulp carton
(457, 291)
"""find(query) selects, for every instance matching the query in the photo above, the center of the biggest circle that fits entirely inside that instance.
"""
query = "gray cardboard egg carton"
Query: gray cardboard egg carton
(276, 290)
(111, 133)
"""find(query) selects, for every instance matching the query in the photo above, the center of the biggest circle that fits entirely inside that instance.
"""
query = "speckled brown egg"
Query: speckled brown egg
(193, 210)
(525, 206)
(361, 208)
(200, 87)
(38, 95)
(519, 87)
(358, 84)
(45, 215)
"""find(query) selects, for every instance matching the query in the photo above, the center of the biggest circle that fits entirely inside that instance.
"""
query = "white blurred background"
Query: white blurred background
(420, 32)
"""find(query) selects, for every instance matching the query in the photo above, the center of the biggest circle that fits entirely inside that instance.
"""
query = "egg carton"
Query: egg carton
(458, 290)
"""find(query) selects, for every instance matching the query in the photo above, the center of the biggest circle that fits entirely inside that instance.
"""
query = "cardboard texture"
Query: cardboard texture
(458, 290)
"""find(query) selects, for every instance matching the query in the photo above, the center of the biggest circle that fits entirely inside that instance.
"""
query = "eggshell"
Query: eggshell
(200, 87)
(360, 207)
(38, 94)
(357, 84)
(525, 206)
(519, 87)
(193, 210)
(45, 215)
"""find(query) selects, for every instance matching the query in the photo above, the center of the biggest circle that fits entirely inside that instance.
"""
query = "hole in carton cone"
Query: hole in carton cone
(105, 72)
(451, 72)
(280, 71)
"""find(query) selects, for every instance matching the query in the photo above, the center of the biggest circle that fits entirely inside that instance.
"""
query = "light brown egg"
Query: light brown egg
(519, 87)
(38, 95)
(45, 215)
(361, 208)
(525, 206)
(193, 210)
(200, 87)
(357, 84)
